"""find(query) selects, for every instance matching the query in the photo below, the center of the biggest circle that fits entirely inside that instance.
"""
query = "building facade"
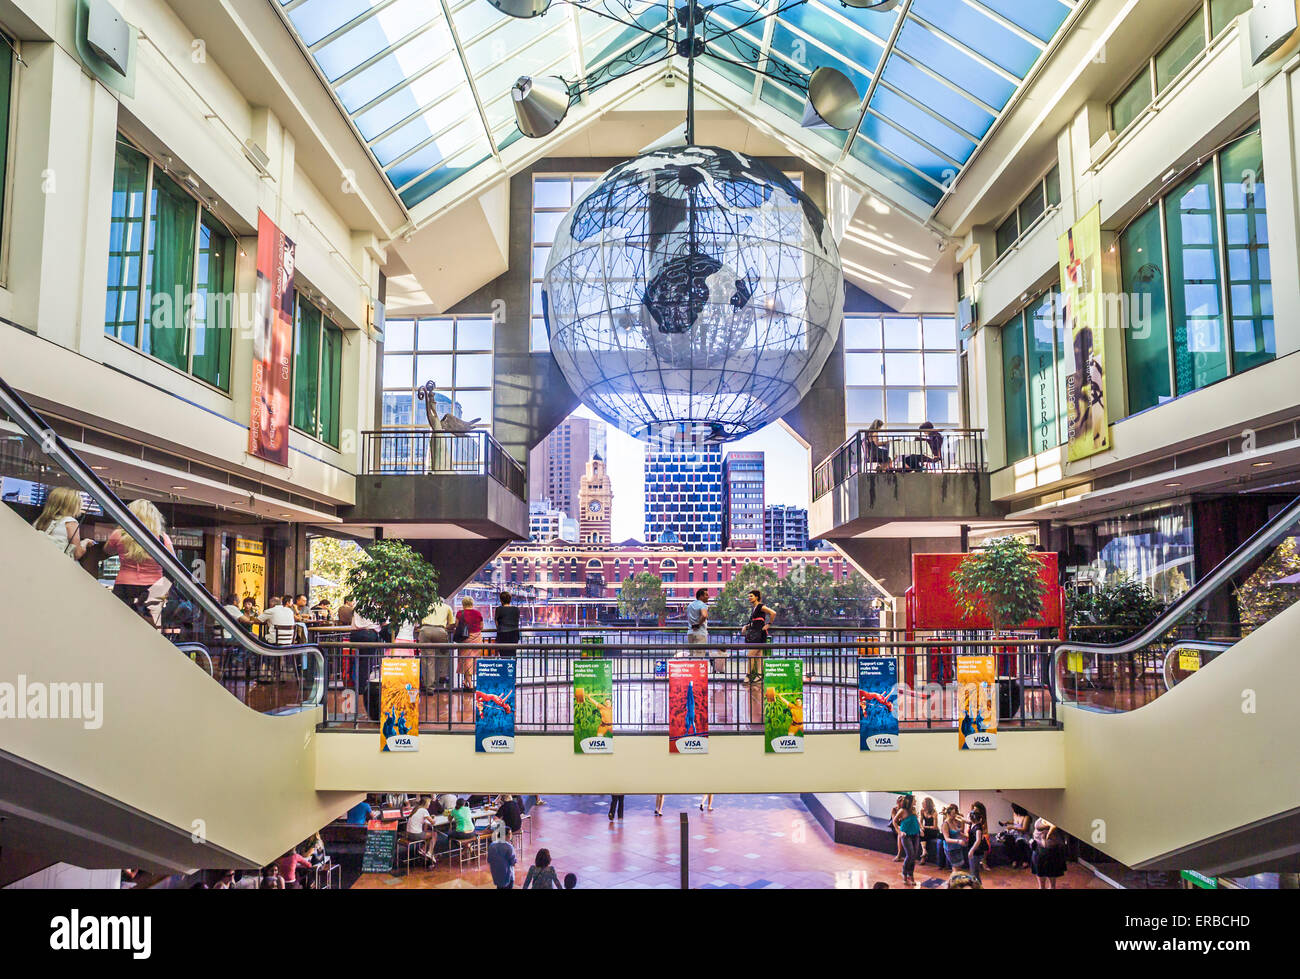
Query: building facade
(546, 523)
(683, 496)
(785, 528)
(595, 503)
(557, 464)
(742, 501)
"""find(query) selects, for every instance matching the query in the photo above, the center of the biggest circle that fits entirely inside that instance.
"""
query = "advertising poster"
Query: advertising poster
(399, 700)
(782, 706)
(494, 705)
(593, 707)
(1081, 291)
(688, 706)
(877, 700)
(977, 703)
(250, 571)
(268, 419)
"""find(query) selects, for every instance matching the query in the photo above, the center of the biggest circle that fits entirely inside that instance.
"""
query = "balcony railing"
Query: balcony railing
(898, 450)
(395, 451)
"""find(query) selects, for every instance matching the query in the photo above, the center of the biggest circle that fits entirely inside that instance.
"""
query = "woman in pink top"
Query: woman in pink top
(289, 864)
(137, 571)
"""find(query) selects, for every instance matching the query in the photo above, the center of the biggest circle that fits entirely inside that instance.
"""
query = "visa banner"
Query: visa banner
(977, 703)
(268, 419)
(494, 705)
(877, 703)
(1079, 253)
(782, 706)
(688, 706)
(399, 704)
(593, 707)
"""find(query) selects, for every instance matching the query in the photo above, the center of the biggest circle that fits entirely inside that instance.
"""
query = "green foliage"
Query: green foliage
(731, 607)
(1000, 581)
(332, 559)
(393, 584)
(586, 720)
(1109, 614)
(642, 597)
(1258, 600)
(776, 719)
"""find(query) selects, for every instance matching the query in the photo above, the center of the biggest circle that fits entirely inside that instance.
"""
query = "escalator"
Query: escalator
(166, 738)
(1180, 743)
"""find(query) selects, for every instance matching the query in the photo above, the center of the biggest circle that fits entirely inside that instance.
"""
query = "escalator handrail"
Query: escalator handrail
(57, 450)
(1177, 647)
(1267, 536)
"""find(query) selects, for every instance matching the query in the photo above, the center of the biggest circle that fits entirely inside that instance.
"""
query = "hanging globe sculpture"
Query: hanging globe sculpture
(693, 293)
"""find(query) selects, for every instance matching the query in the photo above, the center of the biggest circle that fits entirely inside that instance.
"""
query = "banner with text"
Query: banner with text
(494, 705)
(782, 706)
(399, 704)
(977, 702)
(688, 706)
(877, 700)
(1081, 290)
(268, 420)
(593, 707)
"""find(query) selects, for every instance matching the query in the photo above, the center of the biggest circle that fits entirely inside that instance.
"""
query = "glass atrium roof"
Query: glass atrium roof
(427, 83)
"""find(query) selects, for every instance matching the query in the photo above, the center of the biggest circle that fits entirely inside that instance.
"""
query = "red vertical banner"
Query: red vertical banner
(268, 419)
(688, 706)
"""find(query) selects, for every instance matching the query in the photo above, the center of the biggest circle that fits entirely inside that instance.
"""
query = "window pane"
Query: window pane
(1053, 183)
(399, 335)
(1249, 276)
(1041, 374)
(331, 378)
(903, 334)
(902, 369)
(861, 333)
(214, 305)
(1013, 390)
(126, 244)
(940, 333)
(474, 334)
(473, 370)
(941, 369)
(173, 225)
(1146, 336)
(397, 371)
(1200, 354)
(1032, 207)
(1131, 101)
(551, 192)
(544, 225)
(475, 404)
(399, 409)
(862, 406)
(904, 406)
(1222, 13)
(306, 366)
(6, 84)
(435, 368)
(436, 334)
(539, 341)
(864, 368)
(1006, 234)
(941, 406)
(540, 255)
(1179, 52)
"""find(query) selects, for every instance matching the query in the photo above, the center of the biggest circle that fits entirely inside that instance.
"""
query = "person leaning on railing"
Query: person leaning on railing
(757, 633)
(436, 627)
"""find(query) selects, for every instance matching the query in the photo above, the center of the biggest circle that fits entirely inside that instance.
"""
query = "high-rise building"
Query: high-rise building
(785, 528)
(547, 524)
(556, 465)
(742, 501)
(683, 496)
(595, 500)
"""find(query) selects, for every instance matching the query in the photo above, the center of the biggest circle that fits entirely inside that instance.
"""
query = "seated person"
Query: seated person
(931, 444)
(876, 451)
(419, 826)
(509, 813)
(462, 822)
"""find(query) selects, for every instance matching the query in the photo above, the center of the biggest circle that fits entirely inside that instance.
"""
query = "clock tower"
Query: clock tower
(594, 500)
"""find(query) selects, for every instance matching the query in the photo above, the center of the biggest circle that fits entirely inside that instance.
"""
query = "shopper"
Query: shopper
(909, 828)
(895, 817)
(59, 521)
(953, 830)
(1049, 854)
(506, 617)
(469, 631)
(1019, 837)
(706, 800)
(137, 572)
(929, 817)
(501, 861)
(436, 627)
(541, 875)
(570, 881)
(757, 633)
(419, 826)
(697, 619)
(659, 804)
(462, 822)
(509, 813)
(977, 838)
(280, 618)
(615, 804)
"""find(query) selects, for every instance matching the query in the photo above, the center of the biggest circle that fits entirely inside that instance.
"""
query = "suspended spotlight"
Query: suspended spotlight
(832, 101)
(540, 104)
(879, 6)
(523, 9)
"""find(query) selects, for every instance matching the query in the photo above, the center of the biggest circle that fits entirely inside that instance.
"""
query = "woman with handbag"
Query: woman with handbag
(469, 630)
(1049, 854)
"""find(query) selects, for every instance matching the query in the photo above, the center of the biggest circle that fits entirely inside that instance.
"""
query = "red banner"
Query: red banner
(268, 420)
(688, 706)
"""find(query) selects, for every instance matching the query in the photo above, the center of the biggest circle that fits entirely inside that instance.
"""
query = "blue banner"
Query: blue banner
(494, 705)
(877, 703)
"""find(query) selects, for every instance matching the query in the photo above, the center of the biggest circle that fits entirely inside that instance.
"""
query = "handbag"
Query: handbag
(462, 630)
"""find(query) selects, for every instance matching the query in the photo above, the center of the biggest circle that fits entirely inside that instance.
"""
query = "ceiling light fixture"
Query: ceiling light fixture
(1260, 465)
(540, 104)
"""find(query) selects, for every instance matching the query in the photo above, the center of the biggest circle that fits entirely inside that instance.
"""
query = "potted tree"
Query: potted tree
(392, 584)
(1001, 582)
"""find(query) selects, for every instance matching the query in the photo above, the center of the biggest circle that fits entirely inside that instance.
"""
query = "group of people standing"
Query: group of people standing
(757, 630)
(464, 627)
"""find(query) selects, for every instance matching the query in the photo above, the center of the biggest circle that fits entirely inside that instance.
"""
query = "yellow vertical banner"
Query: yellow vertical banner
(1081, 288)
(399, 700)
(977, 703)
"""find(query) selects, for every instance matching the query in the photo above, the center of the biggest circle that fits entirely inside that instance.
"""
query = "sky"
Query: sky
(787, 472)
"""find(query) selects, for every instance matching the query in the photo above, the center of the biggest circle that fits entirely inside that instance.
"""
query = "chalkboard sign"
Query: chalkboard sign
(380, 852)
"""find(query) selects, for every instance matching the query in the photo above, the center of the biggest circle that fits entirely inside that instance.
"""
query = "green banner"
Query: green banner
(593, 707)
(782, 706)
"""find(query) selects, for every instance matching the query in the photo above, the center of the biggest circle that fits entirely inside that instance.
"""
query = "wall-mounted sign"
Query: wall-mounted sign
(270, 403)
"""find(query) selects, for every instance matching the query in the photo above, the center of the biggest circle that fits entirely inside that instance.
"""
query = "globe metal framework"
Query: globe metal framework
(693, 293)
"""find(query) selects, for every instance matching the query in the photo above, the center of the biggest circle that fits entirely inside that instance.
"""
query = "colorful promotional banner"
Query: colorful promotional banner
(494, 705)
(593, 707)
(250, 571)
(782, 706)
(877, 700)
(977, 702)
(1081, 289)
(268, 419)
(688, 706)
(399, 704)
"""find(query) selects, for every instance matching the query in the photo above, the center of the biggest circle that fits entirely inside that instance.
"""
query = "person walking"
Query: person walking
(977, 838)
(506, 617)
(706, 800)
(501, 860)
(541, 875)
(138, 572)
(757, 633)
(615, 803)
(909, 828)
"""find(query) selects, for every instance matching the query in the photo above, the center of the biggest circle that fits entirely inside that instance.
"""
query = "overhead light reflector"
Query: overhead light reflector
(832, 101)
(540, 104)
(523, 9)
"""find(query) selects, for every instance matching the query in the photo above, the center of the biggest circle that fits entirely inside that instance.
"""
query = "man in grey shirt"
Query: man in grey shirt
(697, 619)
(501, 860)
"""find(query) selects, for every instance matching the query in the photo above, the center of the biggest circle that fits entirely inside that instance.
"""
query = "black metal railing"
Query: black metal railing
(948, 450)
(395, 451)
(544, 682)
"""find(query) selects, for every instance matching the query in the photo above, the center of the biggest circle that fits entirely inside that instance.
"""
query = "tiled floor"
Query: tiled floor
(748, 841)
